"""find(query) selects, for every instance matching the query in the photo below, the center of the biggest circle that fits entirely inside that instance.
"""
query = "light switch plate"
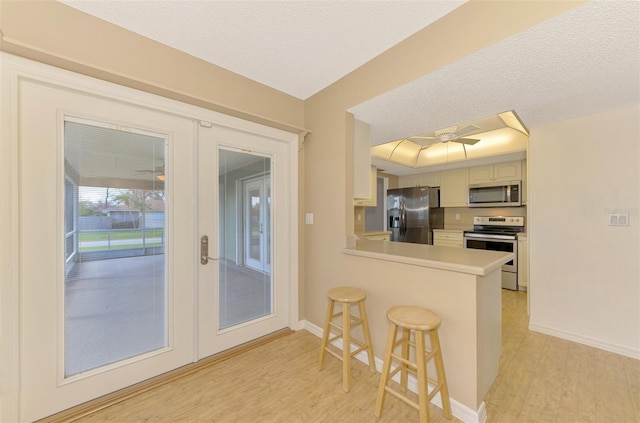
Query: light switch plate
(308, 218)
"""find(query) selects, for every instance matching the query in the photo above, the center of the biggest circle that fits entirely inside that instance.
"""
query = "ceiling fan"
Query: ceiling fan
(158, 171)
(446, 135)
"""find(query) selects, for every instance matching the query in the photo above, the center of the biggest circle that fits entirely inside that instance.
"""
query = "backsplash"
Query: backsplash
(450, 222)
(358, 219)
(466, 215)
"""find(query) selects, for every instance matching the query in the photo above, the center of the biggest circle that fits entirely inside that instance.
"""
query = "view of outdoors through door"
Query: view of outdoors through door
(245, 280)
(115, 290)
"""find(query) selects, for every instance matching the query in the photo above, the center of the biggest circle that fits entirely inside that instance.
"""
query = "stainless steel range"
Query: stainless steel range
(498, 234)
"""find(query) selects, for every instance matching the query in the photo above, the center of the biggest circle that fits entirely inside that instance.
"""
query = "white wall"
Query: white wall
(585, 275)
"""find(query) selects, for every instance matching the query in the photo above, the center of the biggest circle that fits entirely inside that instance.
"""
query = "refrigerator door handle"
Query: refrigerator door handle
(403, 220)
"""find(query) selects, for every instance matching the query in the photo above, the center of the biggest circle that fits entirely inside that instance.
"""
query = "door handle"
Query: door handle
(204, 250)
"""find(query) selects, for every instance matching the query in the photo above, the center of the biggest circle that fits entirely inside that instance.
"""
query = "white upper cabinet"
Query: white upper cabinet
(508, 171)
(408, 181)
(481, 174)
(372, 199)
(431, 179)
(454, 188)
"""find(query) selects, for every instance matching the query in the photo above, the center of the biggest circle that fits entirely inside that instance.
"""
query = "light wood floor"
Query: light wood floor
(541, 379)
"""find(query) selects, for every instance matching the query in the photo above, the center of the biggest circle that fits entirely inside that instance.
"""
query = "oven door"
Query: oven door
(505, 245)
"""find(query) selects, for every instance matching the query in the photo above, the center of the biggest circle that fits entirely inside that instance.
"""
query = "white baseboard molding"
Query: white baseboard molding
(459, 410)
(580, 339)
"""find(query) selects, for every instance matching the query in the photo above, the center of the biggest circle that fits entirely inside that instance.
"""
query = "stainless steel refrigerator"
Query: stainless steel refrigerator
(413, 214)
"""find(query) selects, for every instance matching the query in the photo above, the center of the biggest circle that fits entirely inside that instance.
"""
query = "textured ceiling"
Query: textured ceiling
(298, 47)
(584, 61)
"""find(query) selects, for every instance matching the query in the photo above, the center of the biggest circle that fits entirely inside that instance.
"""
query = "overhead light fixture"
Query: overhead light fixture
(484, 137)
(512, 120)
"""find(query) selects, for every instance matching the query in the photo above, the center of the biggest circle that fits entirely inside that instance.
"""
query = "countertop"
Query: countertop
(369, 233)
(452, 230)
(461, 260)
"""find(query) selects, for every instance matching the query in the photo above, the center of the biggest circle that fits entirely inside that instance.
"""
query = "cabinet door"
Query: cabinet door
(431, 179)
(454, 188)
(372, 199)
(481, 174)
(408, 181)
(448, 239)
(510, 171)
(523, 262)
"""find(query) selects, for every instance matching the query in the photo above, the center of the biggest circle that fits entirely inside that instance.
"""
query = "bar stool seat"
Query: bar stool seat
(421, 322)
(346, 296)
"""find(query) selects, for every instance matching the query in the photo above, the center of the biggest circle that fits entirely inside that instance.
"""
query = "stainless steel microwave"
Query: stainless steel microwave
(496, 194)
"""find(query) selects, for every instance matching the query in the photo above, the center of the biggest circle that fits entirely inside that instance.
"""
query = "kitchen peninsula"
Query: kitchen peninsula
(462, 285)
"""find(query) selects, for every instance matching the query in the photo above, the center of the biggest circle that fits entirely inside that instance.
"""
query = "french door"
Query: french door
(115, 280)
(244, 193)
(101, 308)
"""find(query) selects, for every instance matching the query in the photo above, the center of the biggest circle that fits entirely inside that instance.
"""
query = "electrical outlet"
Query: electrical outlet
(457, 216)
(618, 219)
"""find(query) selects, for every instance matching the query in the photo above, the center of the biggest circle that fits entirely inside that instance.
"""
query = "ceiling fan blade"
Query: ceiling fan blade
(466, 130)
(468, 141)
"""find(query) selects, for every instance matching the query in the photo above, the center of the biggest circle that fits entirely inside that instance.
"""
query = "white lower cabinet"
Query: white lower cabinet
(448, 238)
(523, 261)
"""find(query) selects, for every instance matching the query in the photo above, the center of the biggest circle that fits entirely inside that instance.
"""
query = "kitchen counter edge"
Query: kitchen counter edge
(461, 260)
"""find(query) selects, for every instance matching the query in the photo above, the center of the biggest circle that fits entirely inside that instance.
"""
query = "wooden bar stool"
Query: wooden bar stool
(346, 296)
(421, 321)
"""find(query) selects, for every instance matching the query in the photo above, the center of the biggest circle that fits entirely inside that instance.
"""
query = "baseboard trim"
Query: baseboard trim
(105, 401)
(580, 339)
(459, 410)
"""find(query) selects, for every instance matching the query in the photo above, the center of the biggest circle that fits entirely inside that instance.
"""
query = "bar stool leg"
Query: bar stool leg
(406, 338)
(386, 366)
(367, 336)
(442, 380)
(346, 346)
(325, 335)
(423, 395)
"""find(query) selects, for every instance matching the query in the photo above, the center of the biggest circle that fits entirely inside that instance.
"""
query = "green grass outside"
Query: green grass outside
(116, 235)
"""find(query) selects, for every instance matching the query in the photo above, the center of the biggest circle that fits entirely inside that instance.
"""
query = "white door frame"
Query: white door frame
(12, 71)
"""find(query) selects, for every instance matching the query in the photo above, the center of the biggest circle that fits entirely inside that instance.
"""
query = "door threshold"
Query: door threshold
(108, 400)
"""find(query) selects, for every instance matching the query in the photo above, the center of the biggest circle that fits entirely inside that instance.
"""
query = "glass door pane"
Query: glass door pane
(245, 280)
(115, 290)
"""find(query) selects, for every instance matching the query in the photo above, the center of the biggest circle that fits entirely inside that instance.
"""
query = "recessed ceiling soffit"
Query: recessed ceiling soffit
(499, 134)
